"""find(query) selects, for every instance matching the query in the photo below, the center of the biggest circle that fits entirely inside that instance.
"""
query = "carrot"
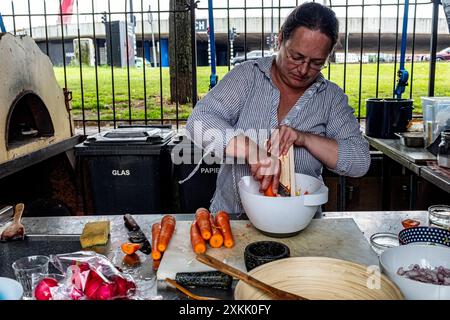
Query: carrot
(269, 192)
(167, 229)
(216, 239)
(156, 264)
(131, 260)
(223, 223)
(130, 248)
(202, 217)
(197, 241)
(156, 229)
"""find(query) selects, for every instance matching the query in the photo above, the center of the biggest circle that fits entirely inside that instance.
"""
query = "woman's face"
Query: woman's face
(302, 56)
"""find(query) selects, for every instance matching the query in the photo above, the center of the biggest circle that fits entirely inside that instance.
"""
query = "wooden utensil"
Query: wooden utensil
(187, 292)
(16, 230)
(227, 269)
(287, 177)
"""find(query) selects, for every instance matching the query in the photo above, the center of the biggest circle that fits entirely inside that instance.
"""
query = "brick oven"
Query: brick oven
(33, 113)
(35, 118)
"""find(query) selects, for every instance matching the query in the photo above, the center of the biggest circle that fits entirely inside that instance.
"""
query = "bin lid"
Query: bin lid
(130, 135)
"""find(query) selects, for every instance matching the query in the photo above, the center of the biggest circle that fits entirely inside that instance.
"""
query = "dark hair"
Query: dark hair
(313, 16)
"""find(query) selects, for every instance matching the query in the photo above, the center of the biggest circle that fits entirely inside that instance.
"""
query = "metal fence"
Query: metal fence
(106, 94)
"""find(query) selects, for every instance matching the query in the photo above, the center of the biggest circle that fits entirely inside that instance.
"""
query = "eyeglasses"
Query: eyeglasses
(300, 60)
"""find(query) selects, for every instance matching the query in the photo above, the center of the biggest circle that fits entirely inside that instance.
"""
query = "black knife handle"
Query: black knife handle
(130, 223)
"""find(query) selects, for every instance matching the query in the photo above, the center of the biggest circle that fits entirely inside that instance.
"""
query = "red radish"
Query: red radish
(131, 286)
(92, 285)
(107, 291)
(76, 294)
(84, 266)
(42, 291)
(122, 286)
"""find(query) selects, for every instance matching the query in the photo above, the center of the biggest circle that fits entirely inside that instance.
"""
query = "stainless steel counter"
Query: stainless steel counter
(418, 160)
(369, 222)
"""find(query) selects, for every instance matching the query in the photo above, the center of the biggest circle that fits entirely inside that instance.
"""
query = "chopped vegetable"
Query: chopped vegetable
(197, 241)
(202, 216)
(131, 260)
(216, 239)
(409, 223)
(130, 248)
(439, 275)
(223, 223)
(156, 229)
(269, 191)
(167, 229)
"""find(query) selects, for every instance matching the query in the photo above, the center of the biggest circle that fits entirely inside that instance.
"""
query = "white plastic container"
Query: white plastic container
(436, 117)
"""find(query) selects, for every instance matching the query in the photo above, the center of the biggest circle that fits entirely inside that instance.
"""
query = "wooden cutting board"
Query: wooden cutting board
(334, 238)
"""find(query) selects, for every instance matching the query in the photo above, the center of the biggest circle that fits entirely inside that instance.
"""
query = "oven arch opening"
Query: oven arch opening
(28, 120)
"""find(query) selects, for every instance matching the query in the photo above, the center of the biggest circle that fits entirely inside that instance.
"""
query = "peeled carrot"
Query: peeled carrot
(216, 239)
(156, 264)
(130, 248)
(269, 192)
(197, 241)
(156, 229)
(167, 229)
(203, 222)
(223, 223)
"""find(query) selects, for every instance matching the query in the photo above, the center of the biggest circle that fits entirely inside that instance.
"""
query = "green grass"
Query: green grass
(137, 101)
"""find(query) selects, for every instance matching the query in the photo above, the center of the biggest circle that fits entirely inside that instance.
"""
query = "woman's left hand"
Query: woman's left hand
(283, 138)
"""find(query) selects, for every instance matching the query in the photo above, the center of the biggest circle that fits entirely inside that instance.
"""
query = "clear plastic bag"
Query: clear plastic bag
(85, 275)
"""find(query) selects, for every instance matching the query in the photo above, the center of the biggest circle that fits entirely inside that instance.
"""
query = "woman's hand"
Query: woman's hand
(264, 167)
(283, 138)
(322, 148)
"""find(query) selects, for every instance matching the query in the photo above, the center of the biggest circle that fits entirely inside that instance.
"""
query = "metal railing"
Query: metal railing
(107, 95)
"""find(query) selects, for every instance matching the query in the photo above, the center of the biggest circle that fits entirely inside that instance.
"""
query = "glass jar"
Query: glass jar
(443, 157)
(383, 241)
(439, 216)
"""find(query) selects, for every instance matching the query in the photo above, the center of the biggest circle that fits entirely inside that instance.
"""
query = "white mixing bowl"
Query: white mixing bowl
(282, 216)
(426, 256)
(10, 289)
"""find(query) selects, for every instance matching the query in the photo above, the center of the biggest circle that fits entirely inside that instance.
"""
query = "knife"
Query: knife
(283, 190)
(136, 235)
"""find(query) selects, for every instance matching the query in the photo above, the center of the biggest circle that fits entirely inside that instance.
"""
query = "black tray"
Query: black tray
(36, 245)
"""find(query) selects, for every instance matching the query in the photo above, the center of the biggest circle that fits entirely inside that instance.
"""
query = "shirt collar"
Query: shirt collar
(265, 64)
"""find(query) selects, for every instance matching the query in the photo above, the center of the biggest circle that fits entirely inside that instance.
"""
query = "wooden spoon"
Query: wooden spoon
(187, 292)
(16, 229)
(227, 269)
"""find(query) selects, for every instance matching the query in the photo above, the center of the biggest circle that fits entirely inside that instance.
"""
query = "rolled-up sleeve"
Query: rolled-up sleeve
(212, 121)
(353, 148)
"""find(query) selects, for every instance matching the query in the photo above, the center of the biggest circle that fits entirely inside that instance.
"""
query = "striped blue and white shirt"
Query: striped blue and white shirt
(246, 98)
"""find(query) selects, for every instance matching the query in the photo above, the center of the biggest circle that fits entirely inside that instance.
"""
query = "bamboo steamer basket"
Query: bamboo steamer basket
(320, 278)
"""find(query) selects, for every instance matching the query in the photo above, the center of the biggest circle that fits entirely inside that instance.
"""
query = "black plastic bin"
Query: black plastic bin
(198, 191)
(385, 117)
(128, 170)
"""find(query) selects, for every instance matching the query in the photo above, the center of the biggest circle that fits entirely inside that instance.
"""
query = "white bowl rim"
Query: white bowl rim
(320, 190)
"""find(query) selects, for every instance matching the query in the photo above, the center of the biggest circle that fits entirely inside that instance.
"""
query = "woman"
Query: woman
(287, 93)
